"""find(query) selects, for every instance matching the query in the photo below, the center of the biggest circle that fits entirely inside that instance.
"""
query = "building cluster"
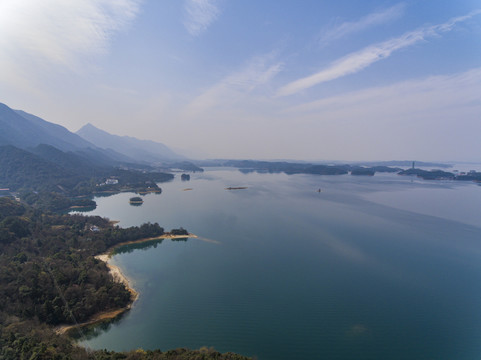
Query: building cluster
(110, 181)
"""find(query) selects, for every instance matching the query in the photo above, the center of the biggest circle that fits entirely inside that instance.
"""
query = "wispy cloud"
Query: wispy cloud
(256, 73)
(36, 35)
(435, 117)
(360, 60)
(373, 19)
(199, 14)
(57, 31)
(413, 96)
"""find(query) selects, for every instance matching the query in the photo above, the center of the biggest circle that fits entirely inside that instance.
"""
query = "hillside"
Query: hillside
(22, 169)
(75, 162)
(55, 180)
(140, 150)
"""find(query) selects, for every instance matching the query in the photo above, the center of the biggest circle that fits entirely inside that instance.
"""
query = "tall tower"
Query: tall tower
(413, 164)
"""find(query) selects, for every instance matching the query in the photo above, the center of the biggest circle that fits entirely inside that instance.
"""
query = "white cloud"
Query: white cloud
(373, 19)
(199, 15)
(35, 34)
(359, 60)
(258, 72)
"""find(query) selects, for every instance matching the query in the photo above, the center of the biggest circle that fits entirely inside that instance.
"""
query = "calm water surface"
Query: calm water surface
(383, 267)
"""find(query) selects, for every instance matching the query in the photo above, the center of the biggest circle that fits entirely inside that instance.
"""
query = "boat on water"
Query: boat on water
(236, 188)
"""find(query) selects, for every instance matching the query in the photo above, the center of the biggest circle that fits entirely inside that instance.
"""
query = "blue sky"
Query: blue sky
(311, 80)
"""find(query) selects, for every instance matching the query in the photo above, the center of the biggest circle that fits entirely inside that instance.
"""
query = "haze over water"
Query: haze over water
(383, 267)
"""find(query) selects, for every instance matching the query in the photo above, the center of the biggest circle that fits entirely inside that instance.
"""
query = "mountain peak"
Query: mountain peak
(89, 127)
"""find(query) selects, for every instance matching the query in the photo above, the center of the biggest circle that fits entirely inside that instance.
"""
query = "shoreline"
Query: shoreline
(117, 276)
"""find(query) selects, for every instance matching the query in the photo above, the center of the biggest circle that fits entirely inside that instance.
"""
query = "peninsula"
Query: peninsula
(49, 276)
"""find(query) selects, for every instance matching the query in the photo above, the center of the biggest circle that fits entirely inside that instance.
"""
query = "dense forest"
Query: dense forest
(49, 276)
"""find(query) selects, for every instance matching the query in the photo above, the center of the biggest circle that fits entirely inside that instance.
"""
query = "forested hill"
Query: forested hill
(75, 162)
(22, 169)
(49, 276)
(56, 180)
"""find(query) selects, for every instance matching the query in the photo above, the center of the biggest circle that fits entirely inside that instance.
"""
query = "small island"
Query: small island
(136, 200)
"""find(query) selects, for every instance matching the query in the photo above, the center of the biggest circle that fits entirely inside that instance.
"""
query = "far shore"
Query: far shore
(118, 276)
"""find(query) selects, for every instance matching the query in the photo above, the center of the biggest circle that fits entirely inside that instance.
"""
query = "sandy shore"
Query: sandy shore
(117, 276)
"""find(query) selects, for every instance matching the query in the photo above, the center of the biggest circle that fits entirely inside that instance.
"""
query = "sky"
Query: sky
(284, 79)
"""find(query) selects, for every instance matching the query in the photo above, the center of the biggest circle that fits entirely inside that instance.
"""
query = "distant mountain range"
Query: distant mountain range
(141, 150)
(27, 131)
(24, 130)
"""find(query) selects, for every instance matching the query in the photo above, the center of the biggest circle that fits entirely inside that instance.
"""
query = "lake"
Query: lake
(383, 267)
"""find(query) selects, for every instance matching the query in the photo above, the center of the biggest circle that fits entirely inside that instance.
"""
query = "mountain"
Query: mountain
(27, 131)
(139, 150)
(23, 130)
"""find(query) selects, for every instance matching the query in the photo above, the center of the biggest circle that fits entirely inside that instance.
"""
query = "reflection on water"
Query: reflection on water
(85, 209)
(135, 204)
(92, 331)
(145, 245)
